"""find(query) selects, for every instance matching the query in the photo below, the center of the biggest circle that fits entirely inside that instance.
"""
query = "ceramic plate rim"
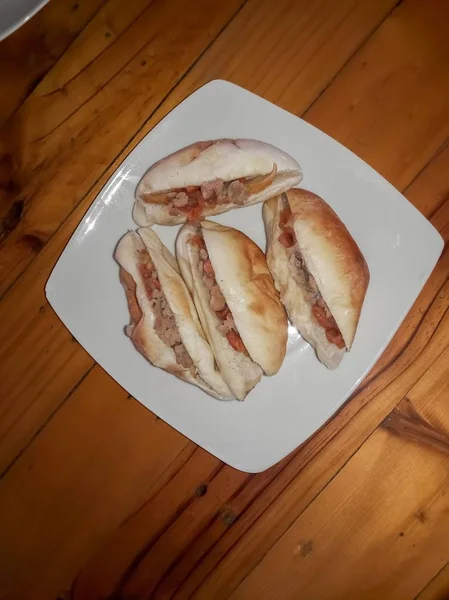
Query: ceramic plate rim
(150, 136)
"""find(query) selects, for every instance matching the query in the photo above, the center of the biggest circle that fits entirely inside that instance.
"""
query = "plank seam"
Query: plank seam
(140, 557)
(59, 89)
(348, 60)
(337, 433)
(430, 581)
(74, 208)
(325, 486)
(127, 146)
(424, 167)
(12, 115)
(213, 518)
(401, 350)
(46, 422)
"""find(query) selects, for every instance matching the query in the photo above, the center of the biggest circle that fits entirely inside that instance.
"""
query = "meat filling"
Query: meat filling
(320, 311)
(217, 302)
(165, 324)
(192, 200)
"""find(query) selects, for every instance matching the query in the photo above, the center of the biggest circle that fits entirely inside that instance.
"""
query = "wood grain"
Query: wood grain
(246, 508)
(117, 504)
(431, 188)
(312, 468)
(45, 325)
(24, 418)
(377, 532)
(438, 586)
(100, 482)
(400, 69)
(62, 433)
(31, 51)
(75, 123)
(402, 93)
(411, 426)
(344, 20)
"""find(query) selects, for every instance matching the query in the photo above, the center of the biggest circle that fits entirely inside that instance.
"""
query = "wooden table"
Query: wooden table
(98, 497)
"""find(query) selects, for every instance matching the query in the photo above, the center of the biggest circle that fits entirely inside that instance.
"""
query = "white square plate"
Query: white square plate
(400, 246)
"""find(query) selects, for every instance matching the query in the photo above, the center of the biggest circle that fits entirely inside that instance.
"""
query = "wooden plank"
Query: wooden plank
(37, 404)
(335, 443)
(132, 554)
(431, 189)
(73, 489)
(344, 21)
(305, 48)
(134, 444)
(261, 523)
(131, 562)
(438, 586)
(375, 531)
(93, 44)
(140, 532)
(34, 341)
(349, 110)
(371, 98)
(158, 559)
(65, 132)
(69, 130)
(293, 498)
(31, 51)
(429, 193)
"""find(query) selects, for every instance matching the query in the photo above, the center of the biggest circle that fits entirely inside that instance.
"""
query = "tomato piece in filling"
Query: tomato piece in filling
(235, 341)
(194, 212)
(335, 337)
(198, 241)
(208, 268)
(287, 238)
(320, 316)
(222, 314)
(329, 325)
(232, 336)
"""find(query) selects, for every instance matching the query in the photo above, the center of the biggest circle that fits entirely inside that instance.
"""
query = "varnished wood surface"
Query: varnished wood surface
(99, 498)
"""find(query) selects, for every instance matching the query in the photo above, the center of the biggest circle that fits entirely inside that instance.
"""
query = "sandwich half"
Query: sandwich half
(212, 177)
(238, 305)
(164, 324)
(319, 270)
